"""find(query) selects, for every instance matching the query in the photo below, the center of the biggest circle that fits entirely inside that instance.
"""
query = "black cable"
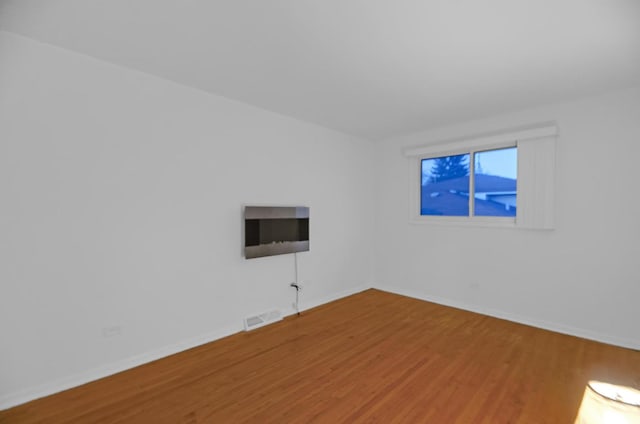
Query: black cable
(297, 287)
(295, 283)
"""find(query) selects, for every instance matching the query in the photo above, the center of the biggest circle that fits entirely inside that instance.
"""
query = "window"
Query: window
(495, 182)
(503, 179)
(445, 186)
(479, 183)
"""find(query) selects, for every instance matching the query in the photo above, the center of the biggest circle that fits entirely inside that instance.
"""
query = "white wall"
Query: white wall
(120, 205)
(582, 278)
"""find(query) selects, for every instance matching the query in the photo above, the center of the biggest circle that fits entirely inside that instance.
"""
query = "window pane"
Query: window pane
(445, 186)
(495, 180)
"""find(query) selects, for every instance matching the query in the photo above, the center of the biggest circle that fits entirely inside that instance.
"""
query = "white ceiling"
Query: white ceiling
(373, 68)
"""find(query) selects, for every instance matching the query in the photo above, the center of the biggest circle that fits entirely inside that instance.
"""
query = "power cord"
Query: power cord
(295, 284)
(297, 287)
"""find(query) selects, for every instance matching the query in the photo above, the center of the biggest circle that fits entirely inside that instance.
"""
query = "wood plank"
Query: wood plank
(371, 357)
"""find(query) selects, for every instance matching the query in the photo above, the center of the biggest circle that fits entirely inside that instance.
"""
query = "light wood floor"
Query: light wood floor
(371, 357)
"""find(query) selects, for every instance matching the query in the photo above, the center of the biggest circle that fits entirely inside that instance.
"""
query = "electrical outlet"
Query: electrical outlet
(116, 330)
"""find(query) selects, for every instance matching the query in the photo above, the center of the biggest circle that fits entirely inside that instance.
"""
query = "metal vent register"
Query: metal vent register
(256, 321)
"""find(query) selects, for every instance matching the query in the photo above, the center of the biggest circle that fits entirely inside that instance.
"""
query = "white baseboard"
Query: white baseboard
(326, 299)
(46, 389)
(546, 325)
(31, 393)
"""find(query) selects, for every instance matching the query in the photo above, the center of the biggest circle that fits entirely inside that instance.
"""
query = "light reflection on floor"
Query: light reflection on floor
(604, 403)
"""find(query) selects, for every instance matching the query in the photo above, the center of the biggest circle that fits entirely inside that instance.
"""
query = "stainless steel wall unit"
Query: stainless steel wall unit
(275, 230)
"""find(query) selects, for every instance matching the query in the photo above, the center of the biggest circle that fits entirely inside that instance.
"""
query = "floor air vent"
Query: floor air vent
(256, 321)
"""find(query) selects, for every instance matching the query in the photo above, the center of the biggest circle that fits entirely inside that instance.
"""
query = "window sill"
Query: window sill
(464, 222)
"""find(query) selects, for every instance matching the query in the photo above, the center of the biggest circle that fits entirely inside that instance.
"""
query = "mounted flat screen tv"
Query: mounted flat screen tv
(275, 230)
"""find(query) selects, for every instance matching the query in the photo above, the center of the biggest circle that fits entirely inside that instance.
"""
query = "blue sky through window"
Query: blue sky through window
(501, 162)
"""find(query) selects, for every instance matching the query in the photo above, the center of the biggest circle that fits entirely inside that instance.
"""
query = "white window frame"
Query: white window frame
(536, 175)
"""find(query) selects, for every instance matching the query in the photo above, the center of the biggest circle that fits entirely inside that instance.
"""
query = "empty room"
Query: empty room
(285, 211)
